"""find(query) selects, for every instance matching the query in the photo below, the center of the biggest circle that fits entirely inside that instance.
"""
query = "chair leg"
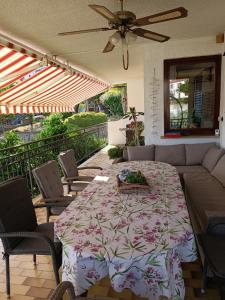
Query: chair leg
(205, 278)
(6, 256)
(47, 214)
(56, 270)
(35, 259)
(222, 291)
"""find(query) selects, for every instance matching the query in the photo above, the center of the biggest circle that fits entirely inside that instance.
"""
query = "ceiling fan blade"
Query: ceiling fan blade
(109, 47)
(176, 13)
(104, 12)
(147, 34)
(84, 31)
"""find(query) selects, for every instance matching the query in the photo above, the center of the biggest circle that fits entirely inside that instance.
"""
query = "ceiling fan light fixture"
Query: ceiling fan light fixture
(115, 38)
(130, 37)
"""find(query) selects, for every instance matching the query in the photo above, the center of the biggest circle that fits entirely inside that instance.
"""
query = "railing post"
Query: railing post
(29, 169)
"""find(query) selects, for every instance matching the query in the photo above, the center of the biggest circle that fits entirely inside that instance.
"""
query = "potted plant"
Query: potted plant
(135, 126)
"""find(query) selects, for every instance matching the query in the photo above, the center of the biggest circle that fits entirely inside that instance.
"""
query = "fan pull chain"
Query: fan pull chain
(126, 64)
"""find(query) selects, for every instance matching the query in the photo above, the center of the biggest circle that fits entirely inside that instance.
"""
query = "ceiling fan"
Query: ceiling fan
(124, 22)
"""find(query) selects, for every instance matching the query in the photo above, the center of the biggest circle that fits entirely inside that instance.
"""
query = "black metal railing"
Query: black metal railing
(21, 160)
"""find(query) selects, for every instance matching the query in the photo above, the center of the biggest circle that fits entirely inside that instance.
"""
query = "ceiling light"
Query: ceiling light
(115, 38)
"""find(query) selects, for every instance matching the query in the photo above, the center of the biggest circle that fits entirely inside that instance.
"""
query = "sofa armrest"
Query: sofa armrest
(215, 222)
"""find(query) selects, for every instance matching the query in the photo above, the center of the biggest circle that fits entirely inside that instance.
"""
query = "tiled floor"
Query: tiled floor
(36, 283)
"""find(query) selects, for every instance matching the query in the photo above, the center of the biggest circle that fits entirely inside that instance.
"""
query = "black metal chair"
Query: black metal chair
(19, 231)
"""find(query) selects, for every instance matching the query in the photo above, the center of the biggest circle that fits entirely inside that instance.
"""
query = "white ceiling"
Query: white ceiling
(37, 22)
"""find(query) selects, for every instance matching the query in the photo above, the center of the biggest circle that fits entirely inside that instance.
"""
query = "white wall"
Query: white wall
(153, 60)
(134, 78)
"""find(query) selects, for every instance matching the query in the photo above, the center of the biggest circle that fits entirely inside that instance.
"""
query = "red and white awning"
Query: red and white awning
(26, 86)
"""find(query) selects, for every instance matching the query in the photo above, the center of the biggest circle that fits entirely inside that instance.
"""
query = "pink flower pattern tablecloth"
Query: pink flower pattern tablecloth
(139, 240)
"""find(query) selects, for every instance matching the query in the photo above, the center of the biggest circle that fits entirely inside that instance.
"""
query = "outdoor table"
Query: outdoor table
(139, 240)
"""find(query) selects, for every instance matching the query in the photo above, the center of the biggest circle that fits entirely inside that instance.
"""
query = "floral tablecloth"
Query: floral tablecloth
(139, 240)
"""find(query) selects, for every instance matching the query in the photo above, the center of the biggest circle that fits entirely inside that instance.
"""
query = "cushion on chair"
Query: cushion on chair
(141, 152)
(16, 209)
(195, 153)
(171, 154)
(211, 158)
(68, 163)
(219, 170)
(48, 180)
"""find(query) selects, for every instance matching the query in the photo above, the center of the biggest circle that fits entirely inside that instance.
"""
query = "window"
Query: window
(192, 95)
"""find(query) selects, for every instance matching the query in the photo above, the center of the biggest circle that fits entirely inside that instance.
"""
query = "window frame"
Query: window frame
(192, 60)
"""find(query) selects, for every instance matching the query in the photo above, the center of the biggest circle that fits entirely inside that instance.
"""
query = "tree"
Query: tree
(53, 125)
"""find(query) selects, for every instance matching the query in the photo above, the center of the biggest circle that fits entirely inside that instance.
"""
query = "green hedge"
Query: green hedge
(84, 119)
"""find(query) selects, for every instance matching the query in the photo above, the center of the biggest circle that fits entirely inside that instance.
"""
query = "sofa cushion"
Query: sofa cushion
(205, 193)
(196, 152)
(171, 154)
(219, 170)
(190, 169)
(211, 158)
(141, 152)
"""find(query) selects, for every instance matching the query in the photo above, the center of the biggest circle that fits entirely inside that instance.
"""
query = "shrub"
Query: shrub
(115, 152)
(84, 119)
(10, 139)
(114, 102)
(53, 125)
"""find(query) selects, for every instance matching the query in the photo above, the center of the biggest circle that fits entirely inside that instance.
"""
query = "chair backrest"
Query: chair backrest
(16, 210)
(48, 180)
(68, 163)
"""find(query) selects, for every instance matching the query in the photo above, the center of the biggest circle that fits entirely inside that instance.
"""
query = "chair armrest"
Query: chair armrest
(91, 167)
(33, 235)
(74, 180)
(215, 222)
(61, 289)
(52, 204)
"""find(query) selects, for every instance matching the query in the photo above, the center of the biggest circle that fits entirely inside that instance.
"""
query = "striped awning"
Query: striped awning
(27, 85)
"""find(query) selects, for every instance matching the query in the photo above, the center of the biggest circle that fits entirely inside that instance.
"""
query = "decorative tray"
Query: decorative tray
(126, 187)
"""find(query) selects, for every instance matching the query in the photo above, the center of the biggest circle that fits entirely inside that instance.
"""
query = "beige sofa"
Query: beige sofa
(202, 172)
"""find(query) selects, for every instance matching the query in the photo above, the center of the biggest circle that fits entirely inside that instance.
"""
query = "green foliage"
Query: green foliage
(6, 117)
(114, 102)
(136, 177)
(10, 139)
(84, 119)
(53, 125)
(115, 152)
(184, 87)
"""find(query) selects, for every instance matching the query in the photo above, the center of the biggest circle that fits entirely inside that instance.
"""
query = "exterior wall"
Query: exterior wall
(153, 64)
